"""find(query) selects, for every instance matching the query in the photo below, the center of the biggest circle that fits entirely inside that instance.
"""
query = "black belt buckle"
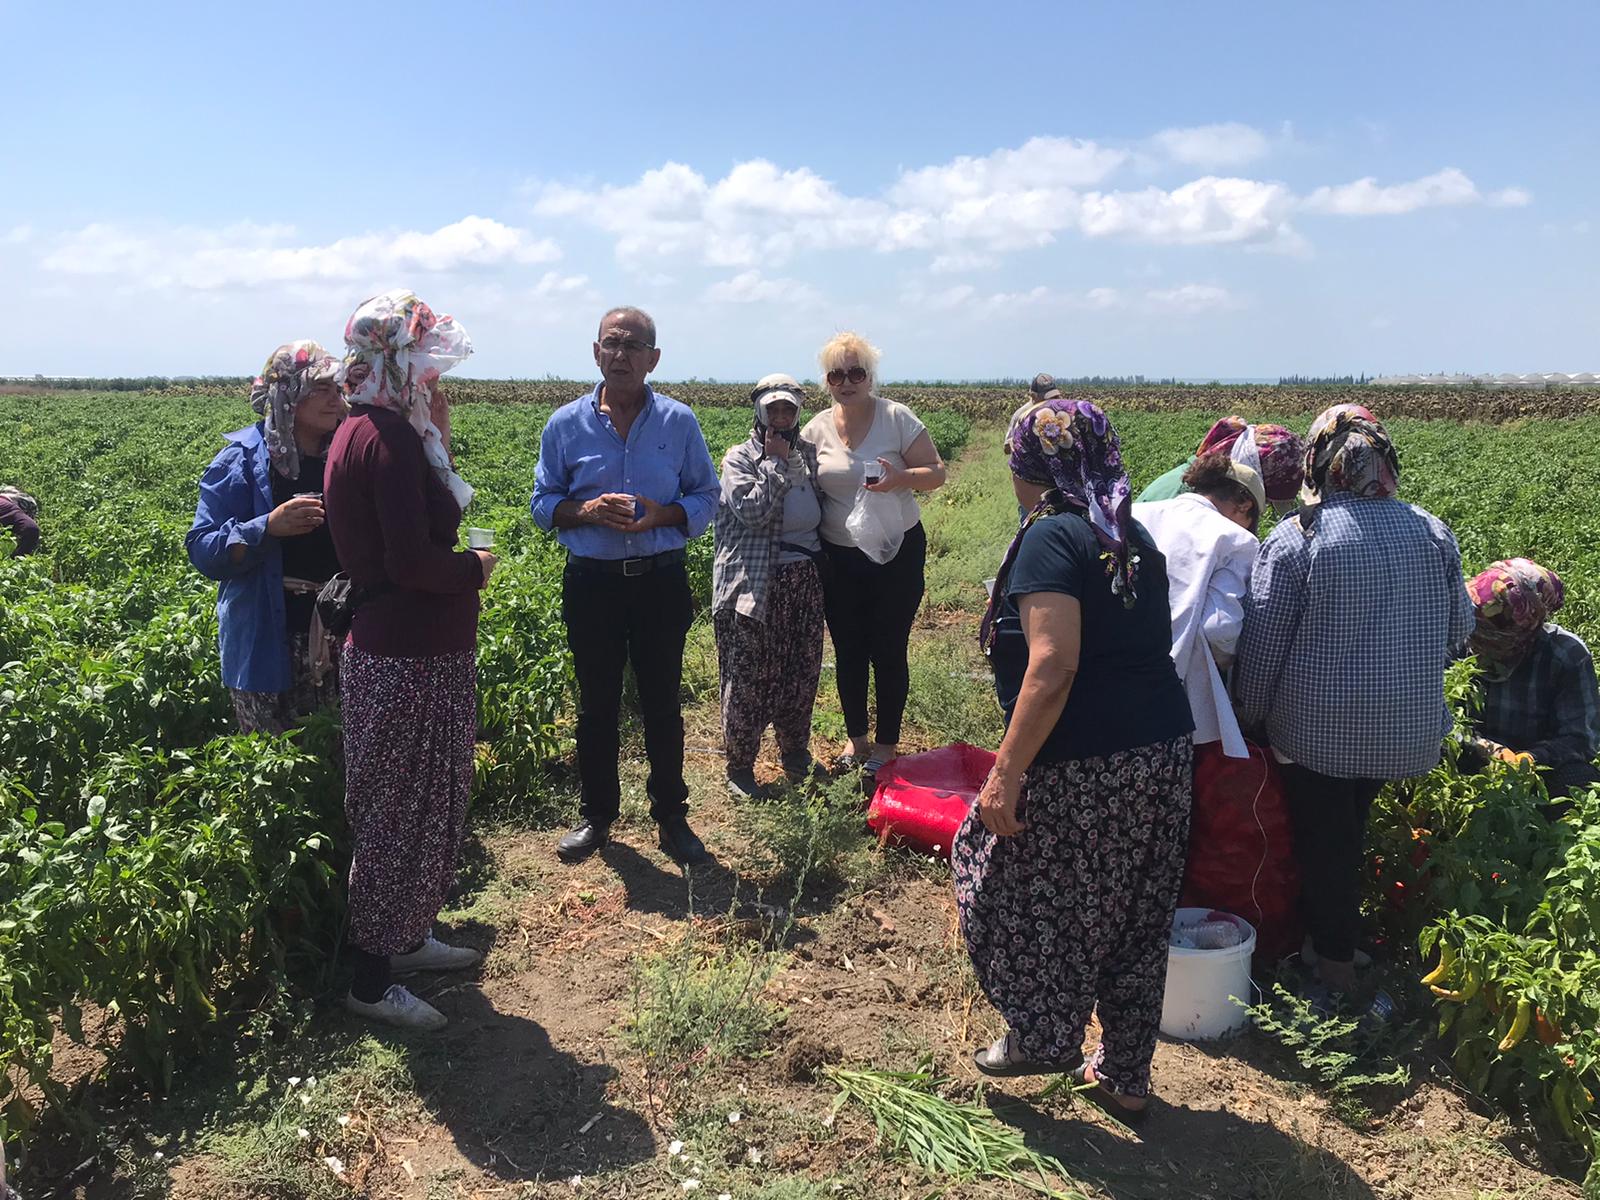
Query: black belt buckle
(632, 568)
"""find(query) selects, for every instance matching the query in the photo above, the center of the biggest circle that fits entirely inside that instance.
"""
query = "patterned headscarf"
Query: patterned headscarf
(1514, 598)
(1271, 451)
(1219, 439)
(1070, 447)
(1349, 450)
(293, 369)
(396, 350)
(1282, 468)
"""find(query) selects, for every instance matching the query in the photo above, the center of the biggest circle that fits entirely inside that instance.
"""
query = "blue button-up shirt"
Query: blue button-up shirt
(664, 458)
(235, 501)
(1346, 637)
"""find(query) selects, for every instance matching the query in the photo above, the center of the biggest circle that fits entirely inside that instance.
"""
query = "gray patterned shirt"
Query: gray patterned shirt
(749, 523)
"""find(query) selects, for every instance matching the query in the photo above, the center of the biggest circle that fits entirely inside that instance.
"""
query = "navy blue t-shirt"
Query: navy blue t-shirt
(1126, 692)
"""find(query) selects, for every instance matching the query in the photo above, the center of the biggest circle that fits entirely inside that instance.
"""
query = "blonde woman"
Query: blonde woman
(865, 441)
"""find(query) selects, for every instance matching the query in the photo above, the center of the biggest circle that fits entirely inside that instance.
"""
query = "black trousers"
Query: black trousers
(613, 621)
(870, 608)
(1329, 817)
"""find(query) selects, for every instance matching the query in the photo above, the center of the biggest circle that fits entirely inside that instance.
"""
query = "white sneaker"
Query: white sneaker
(1310, 957)
(399, 1008)
(434, 955)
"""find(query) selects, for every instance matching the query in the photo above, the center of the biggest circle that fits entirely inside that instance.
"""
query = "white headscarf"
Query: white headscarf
(404, 348)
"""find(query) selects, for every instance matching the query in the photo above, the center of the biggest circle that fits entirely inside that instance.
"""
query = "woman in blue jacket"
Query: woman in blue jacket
(260, 531)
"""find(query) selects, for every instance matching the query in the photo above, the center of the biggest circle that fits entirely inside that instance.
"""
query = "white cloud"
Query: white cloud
(1366, 198)
(1191, 298)
(1511, 197)
(960, 261)
(248, 255)
(17, 235)
(1186, 300)
(1210, 147)
(1040, 163)
(1207, 211)
(751, 287)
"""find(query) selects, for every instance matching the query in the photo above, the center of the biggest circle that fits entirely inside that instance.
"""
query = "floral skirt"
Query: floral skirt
(768, 670)
(1073, 913)
(279, 712)
(409, 729)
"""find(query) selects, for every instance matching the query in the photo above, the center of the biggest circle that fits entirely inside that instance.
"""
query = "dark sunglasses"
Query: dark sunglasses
(854, 375)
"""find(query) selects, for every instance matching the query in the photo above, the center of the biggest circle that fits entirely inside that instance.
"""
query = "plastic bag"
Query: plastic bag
(874, 525)
(921, 799)
(1241, 847)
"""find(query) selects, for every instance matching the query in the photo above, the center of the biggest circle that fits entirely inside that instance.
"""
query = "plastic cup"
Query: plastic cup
(872, 472)
(988, 586)
(480, 539)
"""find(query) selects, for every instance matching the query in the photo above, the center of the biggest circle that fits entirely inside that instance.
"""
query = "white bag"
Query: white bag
(874, 525)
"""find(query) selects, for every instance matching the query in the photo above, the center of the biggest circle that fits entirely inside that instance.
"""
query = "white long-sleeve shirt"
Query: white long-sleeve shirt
(1208, 569)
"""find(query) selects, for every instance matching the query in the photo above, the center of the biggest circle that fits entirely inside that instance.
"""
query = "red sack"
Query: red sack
(1241, 847)
(921, 799)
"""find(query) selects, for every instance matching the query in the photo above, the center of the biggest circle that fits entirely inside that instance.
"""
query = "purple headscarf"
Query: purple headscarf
(1070, 447)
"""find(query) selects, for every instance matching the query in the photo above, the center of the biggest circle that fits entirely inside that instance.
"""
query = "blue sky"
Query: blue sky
(984, 190)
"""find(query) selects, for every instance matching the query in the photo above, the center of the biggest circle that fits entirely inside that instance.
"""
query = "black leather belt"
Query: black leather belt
(631, 567)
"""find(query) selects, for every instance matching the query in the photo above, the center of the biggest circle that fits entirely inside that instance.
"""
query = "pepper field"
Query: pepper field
(170, 891)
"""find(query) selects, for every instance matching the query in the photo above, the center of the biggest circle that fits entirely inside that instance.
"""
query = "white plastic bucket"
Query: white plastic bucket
(1196, 1005)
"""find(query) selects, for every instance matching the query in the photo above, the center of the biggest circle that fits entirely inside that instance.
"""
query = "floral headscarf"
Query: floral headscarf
(1349, 450)
(1272, 451)
(396, 350)
(1070, 447)
(1514, 598)
(1282, 469)
(291, 371)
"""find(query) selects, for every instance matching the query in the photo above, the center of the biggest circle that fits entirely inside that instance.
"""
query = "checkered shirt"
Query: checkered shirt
(749, 523)
(1346, 637)
(1550, 706)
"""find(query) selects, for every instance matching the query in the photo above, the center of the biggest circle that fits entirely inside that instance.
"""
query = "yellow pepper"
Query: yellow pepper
(1447, 960)
(1519, 1025)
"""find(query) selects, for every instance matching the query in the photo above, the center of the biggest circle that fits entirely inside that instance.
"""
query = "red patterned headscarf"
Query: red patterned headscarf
(1514, 598)
(1277, 456)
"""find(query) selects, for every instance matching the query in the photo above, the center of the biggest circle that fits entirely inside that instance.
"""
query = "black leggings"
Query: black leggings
(1329, 819)
(870, 608)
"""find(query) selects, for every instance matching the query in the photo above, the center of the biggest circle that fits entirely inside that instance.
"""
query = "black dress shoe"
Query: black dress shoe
(582, 842)
(679, 843)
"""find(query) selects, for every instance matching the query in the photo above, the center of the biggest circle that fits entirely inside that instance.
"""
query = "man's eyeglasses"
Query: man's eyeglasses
(854, 375)
(621, 345)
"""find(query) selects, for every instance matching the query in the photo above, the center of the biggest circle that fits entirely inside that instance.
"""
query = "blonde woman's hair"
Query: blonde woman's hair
(841, 345)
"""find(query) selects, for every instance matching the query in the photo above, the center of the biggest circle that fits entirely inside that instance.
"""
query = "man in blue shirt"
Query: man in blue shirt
(625, 480)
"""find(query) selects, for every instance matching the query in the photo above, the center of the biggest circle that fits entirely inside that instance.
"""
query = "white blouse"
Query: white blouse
(1208, 567)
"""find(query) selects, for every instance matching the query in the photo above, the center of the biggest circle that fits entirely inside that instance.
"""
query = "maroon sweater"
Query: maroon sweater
(394, 525)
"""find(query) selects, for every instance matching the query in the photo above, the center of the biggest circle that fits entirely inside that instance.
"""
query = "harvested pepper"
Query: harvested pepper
(1519, 1025)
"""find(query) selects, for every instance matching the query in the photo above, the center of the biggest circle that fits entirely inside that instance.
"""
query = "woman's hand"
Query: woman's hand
(775, 445)
(893, 478)
(296, 515)
(997, 805)
(439, 414)
(488, 561)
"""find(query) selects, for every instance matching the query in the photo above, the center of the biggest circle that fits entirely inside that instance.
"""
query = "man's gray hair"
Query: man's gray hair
(637, 314)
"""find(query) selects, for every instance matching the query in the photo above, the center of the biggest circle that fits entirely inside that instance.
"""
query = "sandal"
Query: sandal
(1098, 1094)
(996, 1060)
(844, 764)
